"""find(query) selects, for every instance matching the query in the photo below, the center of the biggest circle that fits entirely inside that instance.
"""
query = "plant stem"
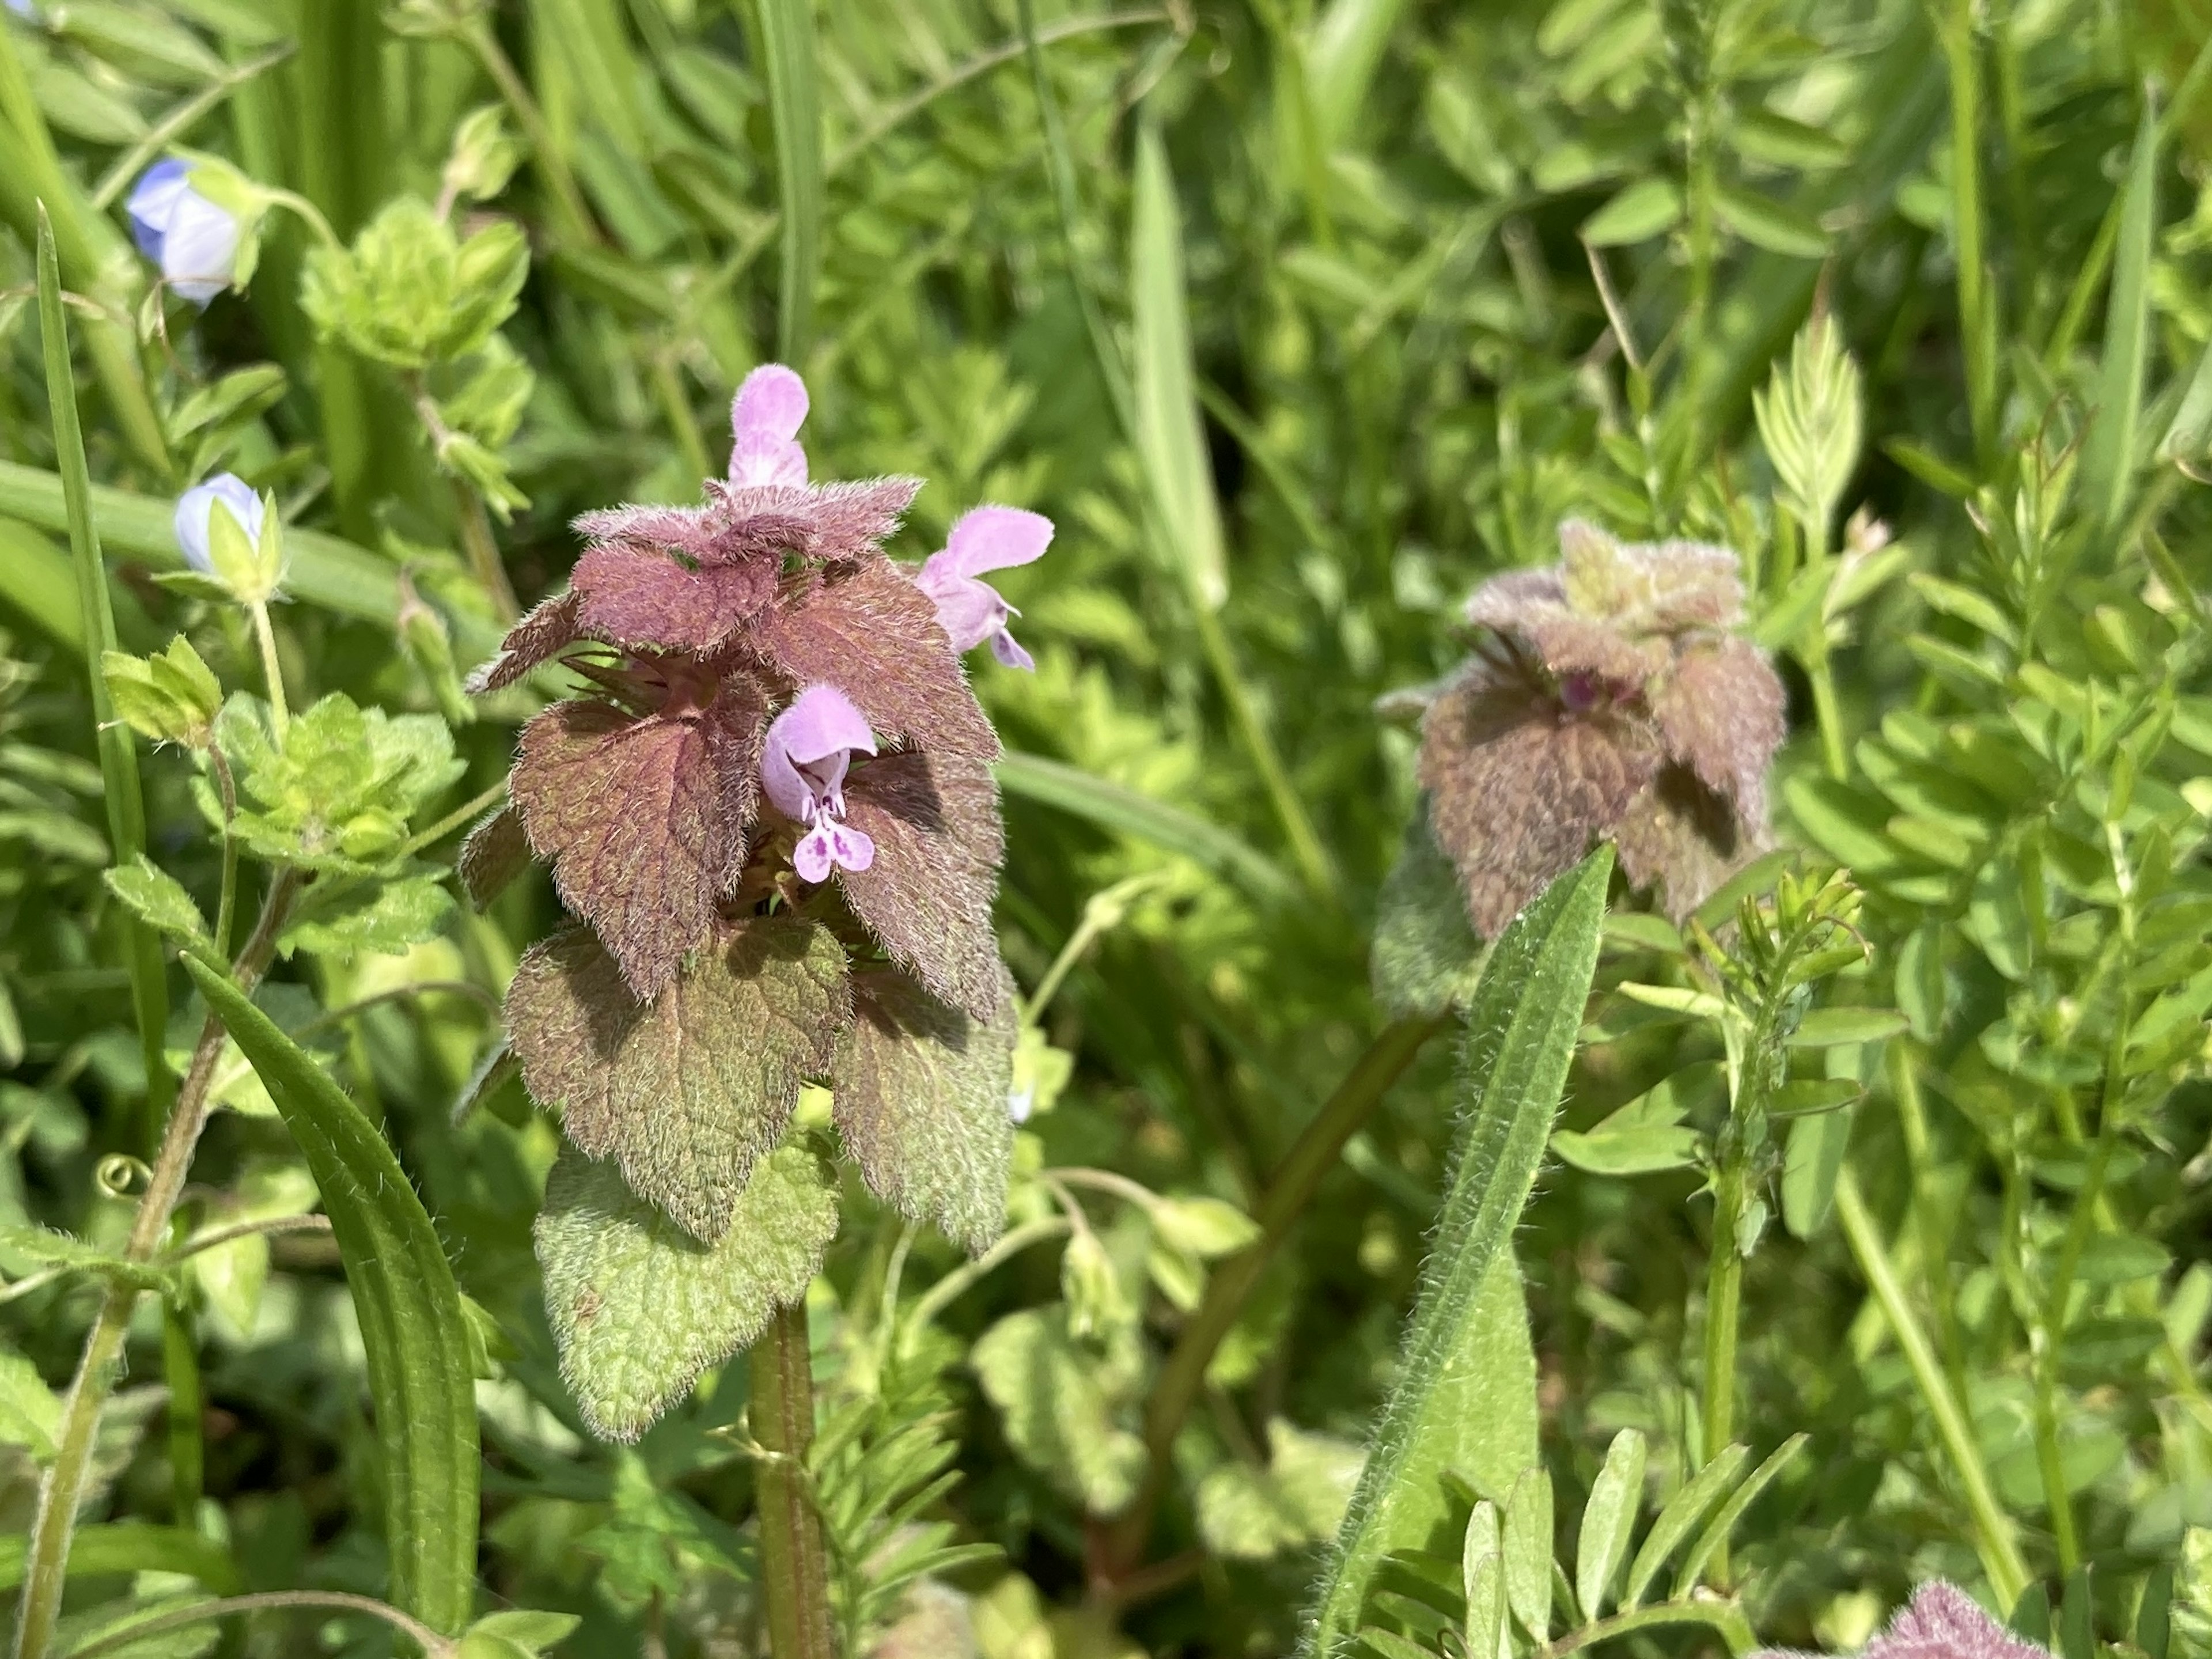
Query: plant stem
(567, 200)
(200, 1613)
(668, 386)
(272, 670)
(1724, 1303)
(490, 569)
(1724, 1619)
(46, 1558)
(1996, 1542)
(181, 1370)
(1290, 1189)
(1313, 860)
(227, 903)
(1926, 1214)
(794, 1561)
(1976, 321)
(939, 1296)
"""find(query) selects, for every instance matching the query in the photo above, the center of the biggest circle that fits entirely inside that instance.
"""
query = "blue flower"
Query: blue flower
(22, 9)
(196, 506)
(194, 241)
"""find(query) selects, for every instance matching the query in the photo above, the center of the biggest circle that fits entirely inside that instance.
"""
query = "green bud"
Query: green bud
(1203, 1227)
(1097, 1305)
(430, 646)
(484, 156)
(172, 697)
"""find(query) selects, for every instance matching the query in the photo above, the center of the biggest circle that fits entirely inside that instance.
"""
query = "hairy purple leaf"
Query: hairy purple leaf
(494, 853)
(551, 628)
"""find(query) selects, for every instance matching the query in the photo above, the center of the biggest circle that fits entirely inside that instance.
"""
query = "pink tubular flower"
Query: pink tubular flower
(765, 416)
(971, 612)
(803, 764)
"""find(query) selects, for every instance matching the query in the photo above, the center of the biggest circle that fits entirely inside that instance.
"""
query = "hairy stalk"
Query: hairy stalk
(1724, 1303)
(272, 670)
(201, 1612)
(1290, 1190)
(484, 562)
(46, 1559)
(1996, 1542)
(794, 1560)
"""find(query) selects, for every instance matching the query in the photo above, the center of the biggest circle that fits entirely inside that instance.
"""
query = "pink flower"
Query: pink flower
(803, 765)
(971, 612)
(765, 416)
(1942, 1622)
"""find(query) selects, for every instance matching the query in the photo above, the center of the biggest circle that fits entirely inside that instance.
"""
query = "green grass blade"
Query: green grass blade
(1348, 44)
(1520, 1038)
(794, 99)
(38, 584)
(120, 1548)
(1723, 1523)
(2108, 453)
(1683, 1512)
(1169, 440)
(118, 756)
(1111, 806)
(321, 569)
(413, 1331)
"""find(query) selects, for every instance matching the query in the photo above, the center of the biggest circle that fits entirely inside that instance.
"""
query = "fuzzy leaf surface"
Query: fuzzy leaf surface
(640, 1307)
(1065, 1403)
(643, 820)
(688, 1093)
(874, 635)
(921, 1095)
(934, 819)
(495, 852)
(641, 598)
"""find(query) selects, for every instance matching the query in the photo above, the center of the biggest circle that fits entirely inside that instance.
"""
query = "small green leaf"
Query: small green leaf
(1482, 1579)
(1825, 1028)
(1529, 1551)
(30, 1414)
(614, 1267)
(1758, 134)
(386, 918)
(1764, 223)
(412, 1331)
(1639, 212)
(1680, 1513)
(1066, 1405)
(1249, 1514)
(1644, 1136)
(1426, 955)
(158, 899)
(120, 1547)
(1693, 1565)
(1205, 1227)
(1818, 1141)
(1609, 1521)
(170, 697)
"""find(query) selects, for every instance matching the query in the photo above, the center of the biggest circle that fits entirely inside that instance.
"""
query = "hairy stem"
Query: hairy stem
(1995, 1540)
(484, 563)
(201, 1612)
(1290, 1190)
(794, 1560)
(45, 1560)
(1723, 1302)
(271, 668)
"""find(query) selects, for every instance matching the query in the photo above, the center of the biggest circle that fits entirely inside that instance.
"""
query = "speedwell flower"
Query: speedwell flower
(803, 764)
(971, 612)
(196, 506)
(1608, 697)
(195, 242)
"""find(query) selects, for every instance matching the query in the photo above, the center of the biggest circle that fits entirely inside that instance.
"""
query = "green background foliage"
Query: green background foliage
(1299, 320)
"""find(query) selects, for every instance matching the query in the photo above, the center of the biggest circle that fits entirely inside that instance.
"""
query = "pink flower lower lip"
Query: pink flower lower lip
(803, 759)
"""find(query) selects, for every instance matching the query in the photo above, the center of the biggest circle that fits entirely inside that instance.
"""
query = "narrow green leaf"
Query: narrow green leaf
(1111, 806)
(1346, 50)
(1764, 223)
(322, 569)
(794, 102)
(2155, 1613)
(157, 899)
(1522, 1030)
(413, 1334)
(1681, 1512)
(118, 755)
(1635, 214)
(2108, 452)
(1711, 1538)
(1482, 1576)
(1169, 440)
(1609, 1521)
(1529, 1551)
(123, 1547)
(38, 584)
(1825, 1028)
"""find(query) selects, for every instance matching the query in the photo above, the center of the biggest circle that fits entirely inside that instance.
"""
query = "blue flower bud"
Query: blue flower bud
(193, 240)
(197, 504)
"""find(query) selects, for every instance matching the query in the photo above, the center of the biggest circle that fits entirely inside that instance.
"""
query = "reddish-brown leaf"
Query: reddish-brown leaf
(921, 1102)
(688, 1093)
(1519, 788)
(1724, 712)
(836, 522)
(551, 628)
(495, 852)
(643, 599)
(874, 635)
(1682, 837)
(934, 819)
(643, 820)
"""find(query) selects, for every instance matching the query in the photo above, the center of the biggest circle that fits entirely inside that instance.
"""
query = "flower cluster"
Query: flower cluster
(1608, 697)
(776, 817)
(1940, 1622)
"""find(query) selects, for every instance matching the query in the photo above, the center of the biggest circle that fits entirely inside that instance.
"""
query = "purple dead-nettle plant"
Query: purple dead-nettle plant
(774, 818)
(1940, 1622)
(1608, 697)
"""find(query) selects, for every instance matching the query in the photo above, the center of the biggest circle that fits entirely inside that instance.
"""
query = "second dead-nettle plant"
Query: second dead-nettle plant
(1608, 698)
(774, 818)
